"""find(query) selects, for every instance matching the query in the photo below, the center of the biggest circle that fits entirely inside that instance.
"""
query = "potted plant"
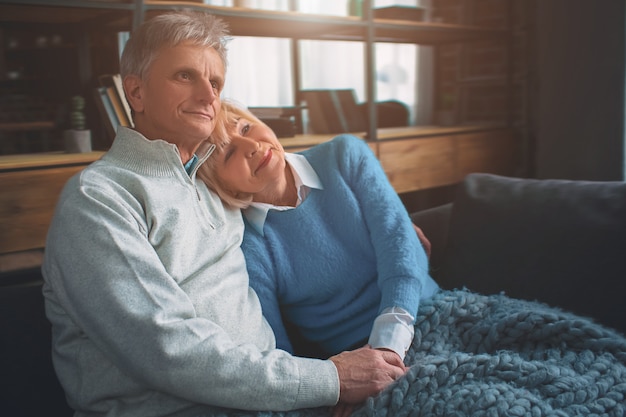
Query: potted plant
(77, 138)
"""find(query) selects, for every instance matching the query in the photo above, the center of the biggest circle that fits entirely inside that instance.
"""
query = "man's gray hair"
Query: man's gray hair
(170, 29)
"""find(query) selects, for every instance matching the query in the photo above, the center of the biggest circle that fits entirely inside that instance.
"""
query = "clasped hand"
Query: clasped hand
(363, 373)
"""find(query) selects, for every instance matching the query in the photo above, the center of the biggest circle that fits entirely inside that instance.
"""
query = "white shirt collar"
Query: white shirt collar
(306, 179)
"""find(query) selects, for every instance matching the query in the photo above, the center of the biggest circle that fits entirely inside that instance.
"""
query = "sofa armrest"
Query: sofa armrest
(434, 222)
(30, 385)
(557, 241)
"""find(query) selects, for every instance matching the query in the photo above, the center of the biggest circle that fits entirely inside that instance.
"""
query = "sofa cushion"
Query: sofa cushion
(434, 222)
(29, 384)
(557, 241)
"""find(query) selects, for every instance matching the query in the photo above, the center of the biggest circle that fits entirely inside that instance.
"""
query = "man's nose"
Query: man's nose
(208, 92)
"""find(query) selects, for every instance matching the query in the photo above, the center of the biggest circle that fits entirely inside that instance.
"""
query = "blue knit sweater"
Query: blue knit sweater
(331, 265)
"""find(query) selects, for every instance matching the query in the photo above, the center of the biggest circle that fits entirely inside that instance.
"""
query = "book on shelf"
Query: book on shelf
(106, 110)
(115, 81)
(333, 111)
(117, 107)
(284, 121)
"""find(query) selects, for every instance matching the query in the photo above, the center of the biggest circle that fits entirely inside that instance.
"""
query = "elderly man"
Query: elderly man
(145, 282)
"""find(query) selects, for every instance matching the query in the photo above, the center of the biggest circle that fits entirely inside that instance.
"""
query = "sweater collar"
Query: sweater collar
(305, 178)
(156, 158)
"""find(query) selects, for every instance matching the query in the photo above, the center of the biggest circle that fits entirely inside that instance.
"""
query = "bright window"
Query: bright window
(332, 64)
(260, 72)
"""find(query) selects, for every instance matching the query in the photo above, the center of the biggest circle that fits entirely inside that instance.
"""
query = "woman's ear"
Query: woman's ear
(133, 88)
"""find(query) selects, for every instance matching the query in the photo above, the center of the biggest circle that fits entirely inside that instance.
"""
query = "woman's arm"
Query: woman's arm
(402, 261)
(263, 281)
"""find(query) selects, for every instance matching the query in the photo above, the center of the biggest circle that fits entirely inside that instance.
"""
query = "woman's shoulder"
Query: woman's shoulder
(339, 145)
(348, 141)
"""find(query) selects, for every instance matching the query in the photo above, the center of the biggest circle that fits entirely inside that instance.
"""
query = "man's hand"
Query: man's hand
(423, 239)
(343, 410)
(365, 372)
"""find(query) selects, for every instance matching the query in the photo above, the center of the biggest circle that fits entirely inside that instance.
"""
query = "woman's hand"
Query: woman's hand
(423, 240)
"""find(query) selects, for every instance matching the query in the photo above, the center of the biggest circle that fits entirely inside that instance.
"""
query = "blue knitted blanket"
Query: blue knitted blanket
(476, 355)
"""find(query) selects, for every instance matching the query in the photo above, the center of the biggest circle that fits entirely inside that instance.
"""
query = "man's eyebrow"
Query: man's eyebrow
(184, 68)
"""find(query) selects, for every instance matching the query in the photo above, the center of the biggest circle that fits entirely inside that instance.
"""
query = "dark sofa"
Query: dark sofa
(29, 385)
(556, 241)
(559, 242)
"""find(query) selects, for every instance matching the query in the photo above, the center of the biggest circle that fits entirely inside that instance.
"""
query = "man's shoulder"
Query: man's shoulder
(97, 174)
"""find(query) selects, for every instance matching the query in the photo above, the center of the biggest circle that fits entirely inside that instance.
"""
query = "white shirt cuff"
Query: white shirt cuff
(393, 329)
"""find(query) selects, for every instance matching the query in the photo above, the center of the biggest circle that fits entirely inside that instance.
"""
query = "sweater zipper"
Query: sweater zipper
(203, 207)
(195, 169)
(195, 187)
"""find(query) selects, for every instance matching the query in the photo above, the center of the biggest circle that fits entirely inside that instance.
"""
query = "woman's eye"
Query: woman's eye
(245, 128)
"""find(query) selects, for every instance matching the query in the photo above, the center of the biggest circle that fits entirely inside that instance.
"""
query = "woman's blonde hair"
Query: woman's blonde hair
(226, 121)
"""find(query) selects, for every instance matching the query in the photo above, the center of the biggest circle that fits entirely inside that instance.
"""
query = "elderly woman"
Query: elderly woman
(329, 246)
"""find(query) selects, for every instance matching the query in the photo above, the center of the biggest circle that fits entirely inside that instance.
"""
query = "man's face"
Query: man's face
(180, 98)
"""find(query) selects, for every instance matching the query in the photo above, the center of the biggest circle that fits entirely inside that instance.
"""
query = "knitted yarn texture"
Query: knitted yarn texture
(476, 355)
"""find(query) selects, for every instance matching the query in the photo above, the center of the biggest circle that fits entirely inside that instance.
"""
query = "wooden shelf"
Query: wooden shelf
(243, 21)
(430, 33)
(265, 23)
(92, 13)
(57, 159)
(26, 126)
(393, 133)
(430, 161)
(414, 158)
(22, 162)
(430, 131)
(31, 184)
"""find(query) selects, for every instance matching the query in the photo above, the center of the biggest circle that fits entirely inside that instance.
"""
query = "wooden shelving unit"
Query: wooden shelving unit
(414, 158)
(252, 22)
(45, 56)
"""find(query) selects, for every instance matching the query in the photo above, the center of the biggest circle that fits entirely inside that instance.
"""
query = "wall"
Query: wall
(479, 82)
(567, 87)
(475, 74)
(487, 81)
(578, 99)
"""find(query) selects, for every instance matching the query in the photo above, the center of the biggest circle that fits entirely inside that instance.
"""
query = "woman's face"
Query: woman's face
(253, 161)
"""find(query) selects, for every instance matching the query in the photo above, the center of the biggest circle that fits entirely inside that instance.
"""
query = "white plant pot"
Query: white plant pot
(77, 141)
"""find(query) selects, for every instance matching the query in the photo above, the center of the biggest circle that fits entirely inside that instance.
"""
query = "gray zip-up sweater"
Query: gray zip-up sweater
(147, 291)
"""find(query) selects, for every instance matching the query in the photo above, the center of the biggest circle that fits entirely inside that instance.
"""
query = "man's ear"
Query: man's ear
(133, 87)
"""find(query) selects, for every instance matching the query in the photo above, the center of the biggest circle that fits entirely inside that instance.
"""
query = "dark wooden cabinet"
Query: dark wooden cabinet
(50, 51)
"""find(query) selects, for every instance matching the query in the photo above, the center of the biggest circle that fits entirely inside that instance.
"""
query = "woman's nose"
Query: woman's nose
(244, 145)
(250, 146)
